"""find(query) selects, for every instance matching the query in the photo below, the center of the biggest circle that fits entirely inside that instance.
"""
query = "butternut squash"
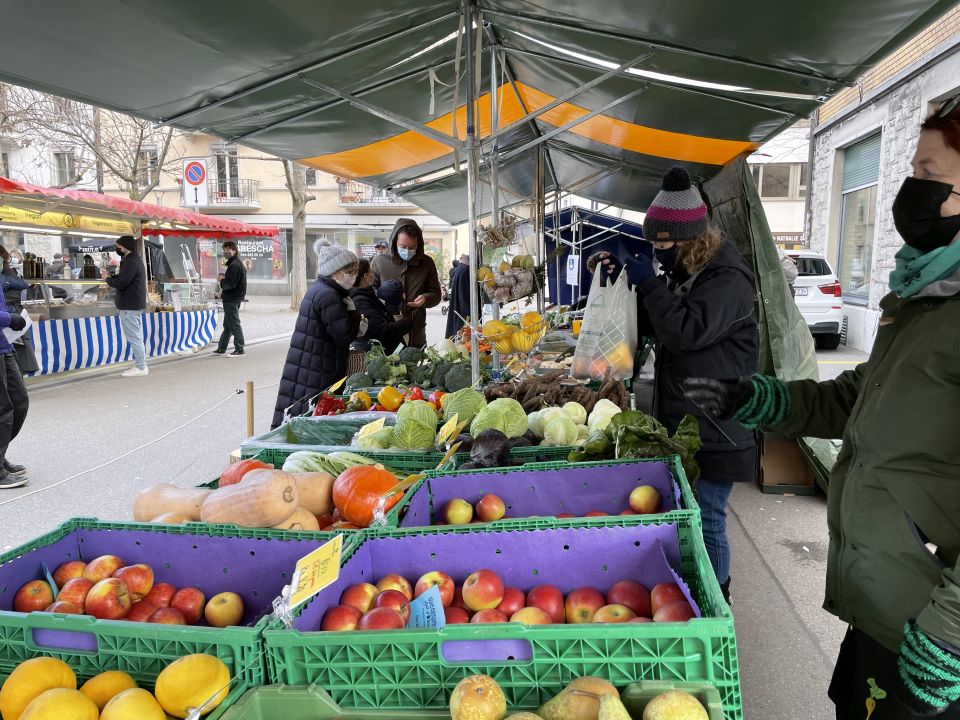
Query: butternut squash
(316, 491)
(171, 518)
(301, 520)
(264, 499)
(168, 498)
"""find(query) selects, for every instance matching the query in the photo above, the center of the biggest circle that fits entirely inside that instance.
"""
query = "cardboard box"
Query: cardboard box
(783, 464)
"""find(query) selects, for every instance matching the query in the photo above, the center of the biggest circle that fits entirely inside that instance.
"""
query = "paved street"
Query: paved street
(786, 642)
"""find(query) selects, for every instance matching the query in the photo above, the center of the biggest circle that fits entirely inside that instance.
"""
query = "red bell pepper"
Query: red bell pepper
(412, 394)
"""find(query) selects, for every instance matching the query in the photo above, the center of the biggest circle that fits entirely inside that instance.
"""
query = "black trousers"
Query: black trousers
(231, 326)
(861, 658)
(14, 402)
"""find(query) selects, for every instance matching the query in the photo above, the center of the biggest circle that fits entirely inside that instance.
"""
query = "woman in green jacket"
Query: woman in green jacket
(893, 505)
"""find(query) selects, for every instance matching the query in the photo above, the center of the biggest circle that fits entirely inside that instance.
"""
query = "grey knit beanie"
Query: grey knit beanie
(332, 257)
(677, 212)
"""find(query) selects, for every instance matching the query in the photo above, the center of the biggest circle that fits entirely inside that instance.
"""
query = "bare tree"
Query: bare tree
(297, 185)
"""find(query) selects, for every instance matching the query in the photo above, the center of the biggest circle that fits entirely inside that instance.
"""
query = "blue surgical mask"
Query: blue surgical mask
(405, 253)
(666, 258)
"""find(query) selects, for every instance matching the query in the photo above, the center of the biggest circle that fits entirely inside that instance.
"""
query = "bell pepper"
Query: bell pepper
(390, 398)
(436, 397)
(361, 399)
(413, 393)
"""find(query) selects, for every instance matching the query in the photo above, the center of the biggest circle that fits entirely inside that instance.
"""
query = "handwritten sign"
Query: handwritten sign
(316, 571)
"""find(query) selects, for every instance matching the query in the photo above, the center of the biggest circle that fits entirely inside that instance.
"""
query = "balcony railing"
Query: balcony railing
(358, 194)
(233, 193)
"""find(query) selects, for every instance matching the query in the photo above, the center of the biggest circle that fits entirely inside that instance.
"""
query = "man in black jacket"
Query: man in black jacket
(233, 291)
(130, 286)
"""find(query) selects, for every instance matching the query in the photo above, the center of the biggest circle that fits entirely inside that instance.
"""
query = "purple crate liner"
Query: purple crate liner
(566, 557)
(531, 493)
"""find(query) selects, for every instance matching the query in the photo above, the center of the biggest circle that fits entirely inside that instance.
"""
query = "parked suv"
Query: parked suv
(819, 298)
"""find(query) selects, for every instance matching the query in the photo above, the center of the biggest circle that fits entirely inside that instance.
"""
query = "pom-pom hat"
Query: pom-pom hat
(678, 212)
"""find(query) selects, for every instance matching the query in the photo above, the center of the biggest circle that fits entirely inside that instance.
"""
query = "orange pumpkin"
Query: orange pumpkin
(235, 472)
(357, 493)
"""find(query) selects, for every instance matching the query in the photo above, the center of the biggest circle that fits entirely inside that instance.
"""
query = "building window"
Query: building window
(148, 167)
(65, 168)
(228, 172)
(858, 216)
(780, 181)
(802, 182)
(311, 177)
(4, 165)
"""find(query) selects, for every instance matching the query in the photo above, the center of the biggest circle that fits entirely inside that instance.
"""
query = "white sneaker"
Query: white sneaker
(135, 372)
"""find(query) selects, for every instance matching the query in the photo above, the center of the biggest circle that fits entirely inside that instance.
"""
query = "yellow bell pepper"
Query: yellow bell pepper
(390, 398)
(361, 399)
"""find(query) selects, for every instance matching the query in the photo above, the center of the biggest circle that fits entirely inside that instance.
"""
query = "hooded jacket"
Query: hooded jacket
(130, 283)
(380, 323)
(233, 287)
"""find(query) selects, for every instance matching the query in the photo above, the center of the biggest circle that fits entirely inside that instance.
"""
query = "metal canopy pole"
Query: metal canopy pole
(470, 148)
(494, 175)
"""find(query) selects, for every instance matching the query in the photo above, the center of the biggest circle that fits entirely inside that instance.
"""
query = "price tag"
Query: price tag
(446, 458)
(49, 578)
(336, 386)
(316, 571)
(448, 431)
(426, 611)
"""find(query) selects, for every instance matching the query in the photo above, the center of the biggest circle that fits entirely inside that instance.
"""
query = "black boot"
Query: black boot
(725, 589)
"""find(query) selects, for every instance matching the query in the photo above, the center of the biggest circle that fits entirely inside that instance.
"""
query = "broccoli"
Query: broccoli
(458, 377)
(411, 355)
(378, 368)
(440, 373)
(359, 380)
(422, 376)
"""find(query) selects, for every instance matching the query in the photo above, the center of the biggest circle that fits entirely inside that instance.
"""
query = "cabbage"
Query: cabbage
(445, 348)
(416, 427)
(503, 414)
(602, 412)
(552, 413)
(466, 403)
(381, 439)
(535, 423)
(583, 432)
(561, 431)
(576, 412)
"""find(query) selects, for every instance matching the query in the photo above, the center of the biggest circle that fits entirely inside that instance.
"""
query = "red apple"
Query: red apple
(458, 512)
(63, 607)
(396, 600)
(582, 604)
(491, 508)
(664, 594)
(645, 500)
(596, 513)
(632, 594)
(613, 614)
(141, 611)
(341, 618)
(458, 600)
(396, 582)
(100, 568)
(139, 580)
(483, 590)
(68, 571)
(513, 600)
(489, 616)
(161, 594)
(443, 582)
(381, 618)
(456, 616)
(325, 520)
(679, 611)
(549, 599)
(108, 600)
(640, 619)
(628, 511)
(565, 516)
(359, 596)
(33, 596)
(189, 601)
(75, 591)
(223, 610)
(531, 616)
(168, 616)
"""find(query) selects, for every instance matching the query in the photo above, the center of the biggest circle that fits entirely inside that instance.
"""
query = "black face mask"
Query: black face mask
(916, 214)
(119, 252)
(666, 258)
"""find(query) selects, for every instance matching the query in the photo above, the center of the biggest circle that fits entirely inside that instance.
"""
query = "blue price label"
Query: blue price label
(426, 611)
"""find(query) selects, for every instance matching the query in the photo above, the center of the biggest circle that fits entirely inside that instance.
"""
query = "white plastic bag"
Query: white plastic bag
(608, 335)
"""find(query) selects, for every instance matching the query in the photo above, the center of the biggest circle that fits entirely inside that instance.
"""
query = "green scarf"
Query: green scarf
(915, 270)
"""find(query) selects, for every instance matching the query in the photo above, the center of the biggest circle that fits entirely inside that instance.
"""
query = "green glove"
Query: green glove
(930, 674)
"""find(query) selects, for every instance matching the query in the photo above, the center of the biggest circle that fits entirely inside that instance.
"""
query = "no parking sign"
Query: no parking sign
(194, 182)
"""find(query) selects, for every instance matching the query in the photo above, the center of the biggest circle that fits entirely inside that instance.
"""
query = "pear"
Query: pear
(612, 709)
(523, 716)
(478, 697)
(674, 705)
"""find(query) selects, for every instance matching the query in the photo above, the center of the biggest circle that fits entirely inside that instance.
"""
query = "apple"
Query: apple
(483, 590)
(613, 614)
(33, 596)
(645, 500)
(664, 594)
(396, 600)
(456, 616)
(513, 600)
(223, 610)
(168, 616)
(66, 608)
(458, 512)
(381, 618)
(341, 618)
(489, 616)
(109, 599)
(458, 601)
(68, 571)
(491, 508)
(325, 520)
(76, 591)
(679, 611)
(633, 595)
(161, 594)
(189, 601)
(531, 616)
(100, 568)
(596, 513)
(141, 611)
(565, 516)
(396, 582)
(359, 596)
(549, 599)
(582, 604)
(628, 511)
(640, 618)
(138, 578)
(443, 582)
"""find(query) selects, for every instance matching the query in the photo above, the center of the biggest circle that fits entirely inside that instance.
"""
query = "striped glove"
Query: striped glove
(929, 673)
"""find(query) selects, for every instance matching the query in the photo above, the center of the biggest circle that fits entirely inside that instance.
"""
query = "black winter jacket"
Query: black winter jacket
(459, 298)
(130, 283)
(233, 287)
(318, 352)
(380, 323)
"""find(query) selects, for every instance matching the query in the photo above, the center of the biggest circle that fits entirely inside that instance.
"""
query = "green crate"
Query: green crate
(410, 461)
(407, 670)
(310, 702)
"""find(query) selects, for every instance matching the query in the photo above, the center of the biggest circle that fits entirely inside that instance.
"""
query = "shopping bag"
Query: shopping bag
(608, 335)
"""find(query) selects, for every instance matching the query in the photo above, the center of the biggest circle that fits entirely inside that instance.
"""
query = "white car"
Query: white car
(819, 298)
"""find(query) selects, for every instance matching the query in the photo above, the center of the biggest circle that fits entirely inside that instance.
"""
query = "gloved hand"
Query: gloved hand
(928, 681)
(348, 304)
(604, 263)
(17, 322)
(364, 324)
(639, 269)
(720, 399)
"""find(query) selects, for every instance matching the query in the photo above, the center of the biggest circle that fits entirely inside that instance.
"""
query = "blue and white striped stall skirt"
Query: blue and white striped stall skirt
(62, 345)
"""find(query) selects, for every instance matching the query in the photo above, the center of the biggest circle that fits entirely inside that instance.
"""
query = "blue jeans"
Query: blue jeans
(133, 331)
(712, 496)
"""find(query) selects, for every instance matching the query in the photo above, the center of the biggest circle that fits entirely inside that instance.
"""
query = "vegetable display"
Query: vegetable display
(548, 390)
(503, 414)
